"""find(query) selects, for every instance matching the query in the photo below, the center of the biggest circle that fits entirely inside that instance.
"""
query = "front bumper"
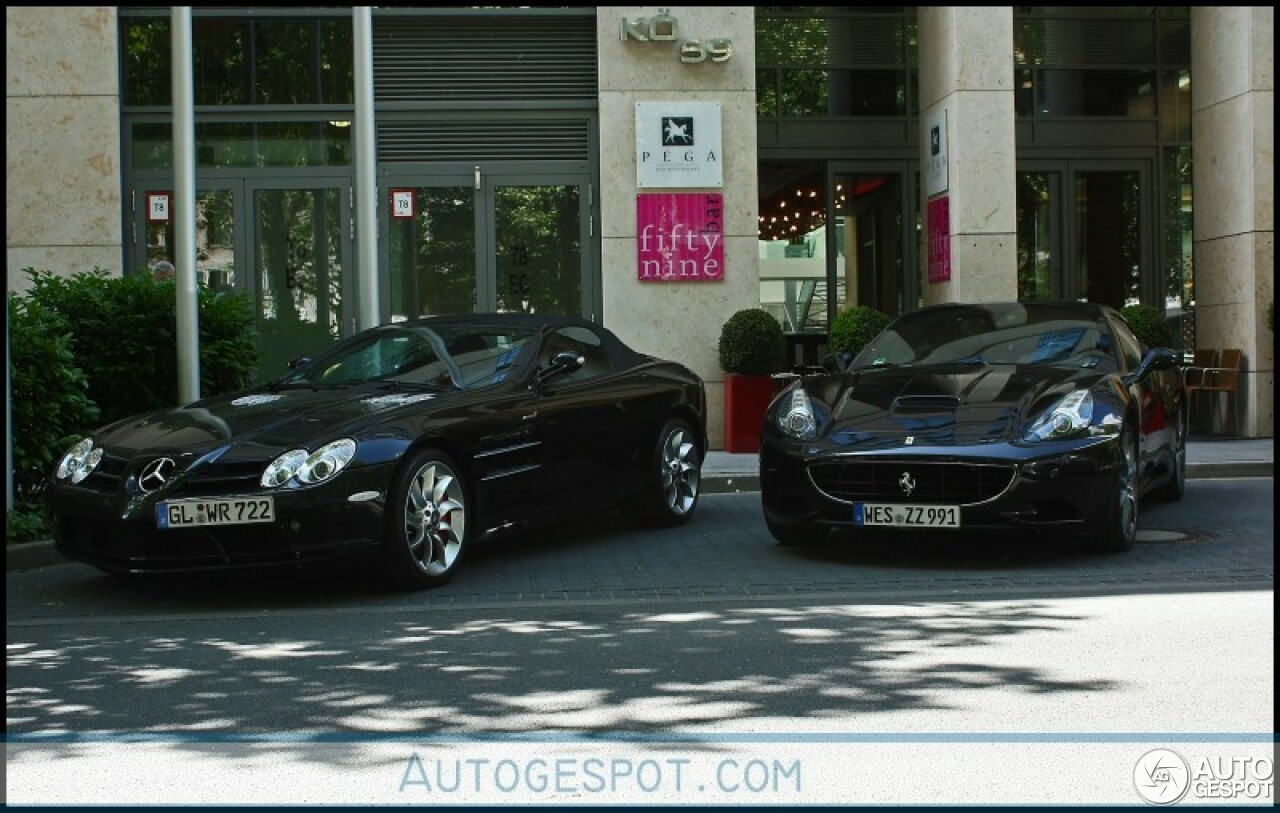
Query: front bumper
(1064, 486)
(312, 524)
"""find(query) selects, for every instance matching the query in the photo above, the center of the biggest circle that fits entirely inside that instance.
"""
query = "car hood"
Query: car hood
(946, 405)
(271, 420)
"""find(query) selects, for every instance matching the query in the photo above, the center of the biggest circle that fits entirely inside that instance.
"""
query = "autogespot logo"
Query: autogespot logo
(1162, 776)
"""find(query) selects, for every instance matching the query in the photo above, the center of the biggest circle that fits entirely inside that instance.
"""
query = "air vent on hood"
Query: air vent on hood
(925, 404)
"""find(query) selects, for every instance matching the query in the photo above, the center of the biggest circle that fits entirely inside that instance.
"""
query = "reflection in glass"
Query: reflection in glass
(868, 227)
(792, 244)
(298, 257)
(539, 249)
(1179, 276)
(1035, 234)
(268, 144)
(1108, 248)
(215, 240)
(433, 260)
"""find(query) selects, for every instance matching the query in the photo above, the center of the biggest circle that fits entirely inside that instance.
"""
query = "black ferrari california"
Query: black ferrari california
(1045, 416)
(408, 441)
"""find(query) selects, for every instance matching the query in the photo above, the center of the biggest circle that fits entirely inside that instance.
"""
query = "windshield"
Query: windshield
(993, 334)
(453, 357)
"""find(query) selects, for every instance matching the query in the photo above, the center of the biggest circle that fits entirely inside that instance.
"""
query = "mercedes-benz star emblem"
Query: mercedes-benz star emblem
(156, 474)
(907, 483)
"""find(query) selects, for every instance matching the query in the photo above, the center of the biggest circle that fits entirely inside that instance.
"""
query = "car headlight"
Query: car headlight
(1068, 418)
(309, 468)
(79, 462)
(797, 418)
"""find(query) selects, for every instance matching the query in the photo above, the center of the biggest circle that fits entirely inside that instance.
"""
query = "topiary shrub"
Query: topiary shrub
(751, 343)
(126, 337)
(1149, 325)
(854, 327)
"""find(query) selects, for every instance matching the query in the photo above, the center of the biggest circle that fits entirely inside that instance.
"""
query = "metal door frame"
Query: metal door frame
(482, 178)
(1066, 283)
(905, 170)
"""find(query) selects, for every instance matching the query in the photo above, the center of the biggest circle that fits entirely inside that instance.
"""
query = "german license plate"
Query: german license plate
(905, 516)
(215, 511)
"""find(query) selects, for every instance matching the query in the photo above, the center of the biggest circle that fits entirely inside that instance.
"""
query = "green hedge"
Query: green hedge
(50, 406)
(126, 337)
(89, 349)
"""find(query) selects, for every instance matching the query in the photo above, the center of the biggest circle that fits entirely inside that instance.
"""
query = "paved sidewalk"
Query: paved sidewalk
(723, 472)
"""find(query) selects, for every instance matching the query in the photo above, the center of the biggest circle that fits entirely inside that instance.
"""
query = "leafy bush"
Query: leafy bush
(50, 405)
(26, 522)
(126, 338)
(751, 343)
(854, 327)
(1149, 325)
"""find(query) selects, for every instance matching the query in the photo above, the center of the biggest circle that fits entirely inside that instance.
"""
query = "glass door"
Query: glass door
(300, 253)
(1085, 231)
(481, 242)
(218, 211)
(286, 244)
(870, 208)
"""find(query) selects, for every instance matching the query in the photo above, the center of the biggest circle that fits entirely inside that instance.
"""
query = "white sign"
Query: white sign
(158, 207)
(935, 161)
(402, 203)
(678, 145)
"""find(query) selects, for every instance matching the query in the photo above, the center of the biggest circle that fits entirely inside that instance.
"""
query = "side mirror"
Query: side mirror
(300, 361)
(1158, 358)
(561, 363)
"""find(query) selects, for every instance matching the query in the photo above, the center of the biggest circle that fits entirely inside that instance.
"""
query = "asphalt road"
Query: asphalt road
(595, 663)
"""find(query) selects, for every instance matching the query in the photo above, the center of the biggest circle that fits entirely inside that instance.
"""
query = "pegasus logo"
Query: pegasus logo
(907, 483)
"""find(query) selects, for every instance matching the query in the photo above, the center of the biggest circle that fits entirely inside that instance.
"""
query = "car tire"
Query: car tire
(427, 524)
(1173, 490)
(674, 479)
(1121, 526)
(793, 535)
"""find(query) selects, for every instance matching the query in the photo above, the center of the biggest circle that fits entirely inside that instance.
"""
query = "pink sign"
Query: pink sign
(939, 216)
(680, 237)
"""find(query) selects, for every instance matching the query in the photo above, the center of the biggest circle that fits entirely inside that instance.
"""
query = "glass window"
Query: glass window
(1175, 105)
(303, 62)
(243, 61)
(826, 61)
(1085, 93)
(1035, 236)
(219, 62)
(272, 144)
(145, 62)
(1179, 270)
(792, 244)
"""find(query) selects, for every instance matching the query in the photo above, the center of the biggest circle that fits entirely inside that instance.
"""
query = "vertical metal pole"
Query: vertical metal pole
(366, 170)
(184, 206)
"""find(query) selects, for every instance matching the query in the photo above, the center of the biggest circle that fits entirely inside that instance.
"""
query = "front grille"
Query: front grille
(223, 477)
(935, 483)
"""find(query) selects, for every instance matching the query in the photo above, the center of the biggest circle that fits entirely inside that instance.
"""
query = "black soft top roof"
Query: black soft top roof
(622, 356)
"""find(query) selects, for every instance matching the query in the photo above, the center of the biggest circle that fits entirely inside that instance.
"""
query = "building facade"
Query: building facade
(531, 159)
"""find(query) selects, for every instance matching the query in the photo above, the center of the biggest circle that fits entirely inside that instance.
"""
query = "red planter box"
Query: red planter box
(746, 397)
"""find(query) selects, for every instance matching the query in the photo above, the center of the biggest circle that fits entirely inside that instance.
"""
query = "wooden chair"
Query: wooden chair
(1193, 375)
(1224, 376)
